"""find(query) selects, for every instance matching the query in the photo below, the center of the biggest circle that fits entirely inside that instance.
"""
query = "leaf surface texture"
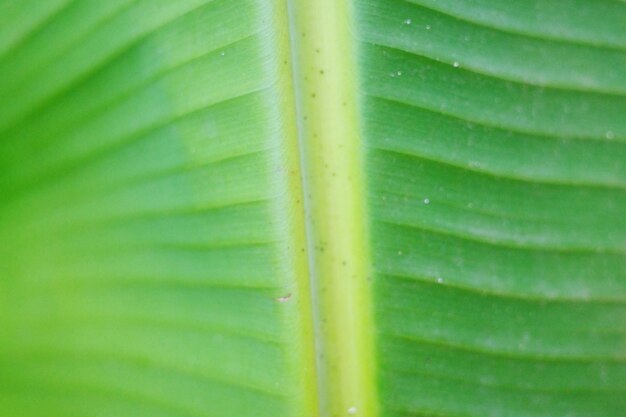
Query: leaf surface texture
(208, 206)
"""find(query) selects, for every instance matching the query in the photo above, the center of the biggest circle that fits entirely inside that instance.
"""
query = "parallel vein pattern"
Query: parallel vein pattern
(148, 202)
(496, 144)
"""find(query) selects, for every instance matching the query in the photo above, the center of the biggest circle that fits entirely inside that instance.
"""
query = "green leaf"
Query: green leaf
(303, 208)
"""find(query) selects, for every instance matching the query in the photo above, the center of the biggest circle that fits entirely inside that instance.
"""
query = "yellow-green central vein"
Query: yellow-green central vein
(325, 84)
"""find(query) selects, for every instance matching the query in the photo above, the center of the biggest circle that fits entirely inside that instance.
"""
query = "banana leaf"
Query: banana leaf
(312, 208)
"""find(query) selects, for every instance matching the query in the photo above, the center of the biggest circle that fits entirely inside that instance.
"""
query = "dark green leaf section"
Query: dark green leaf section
(496, 165)
(142, 246)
